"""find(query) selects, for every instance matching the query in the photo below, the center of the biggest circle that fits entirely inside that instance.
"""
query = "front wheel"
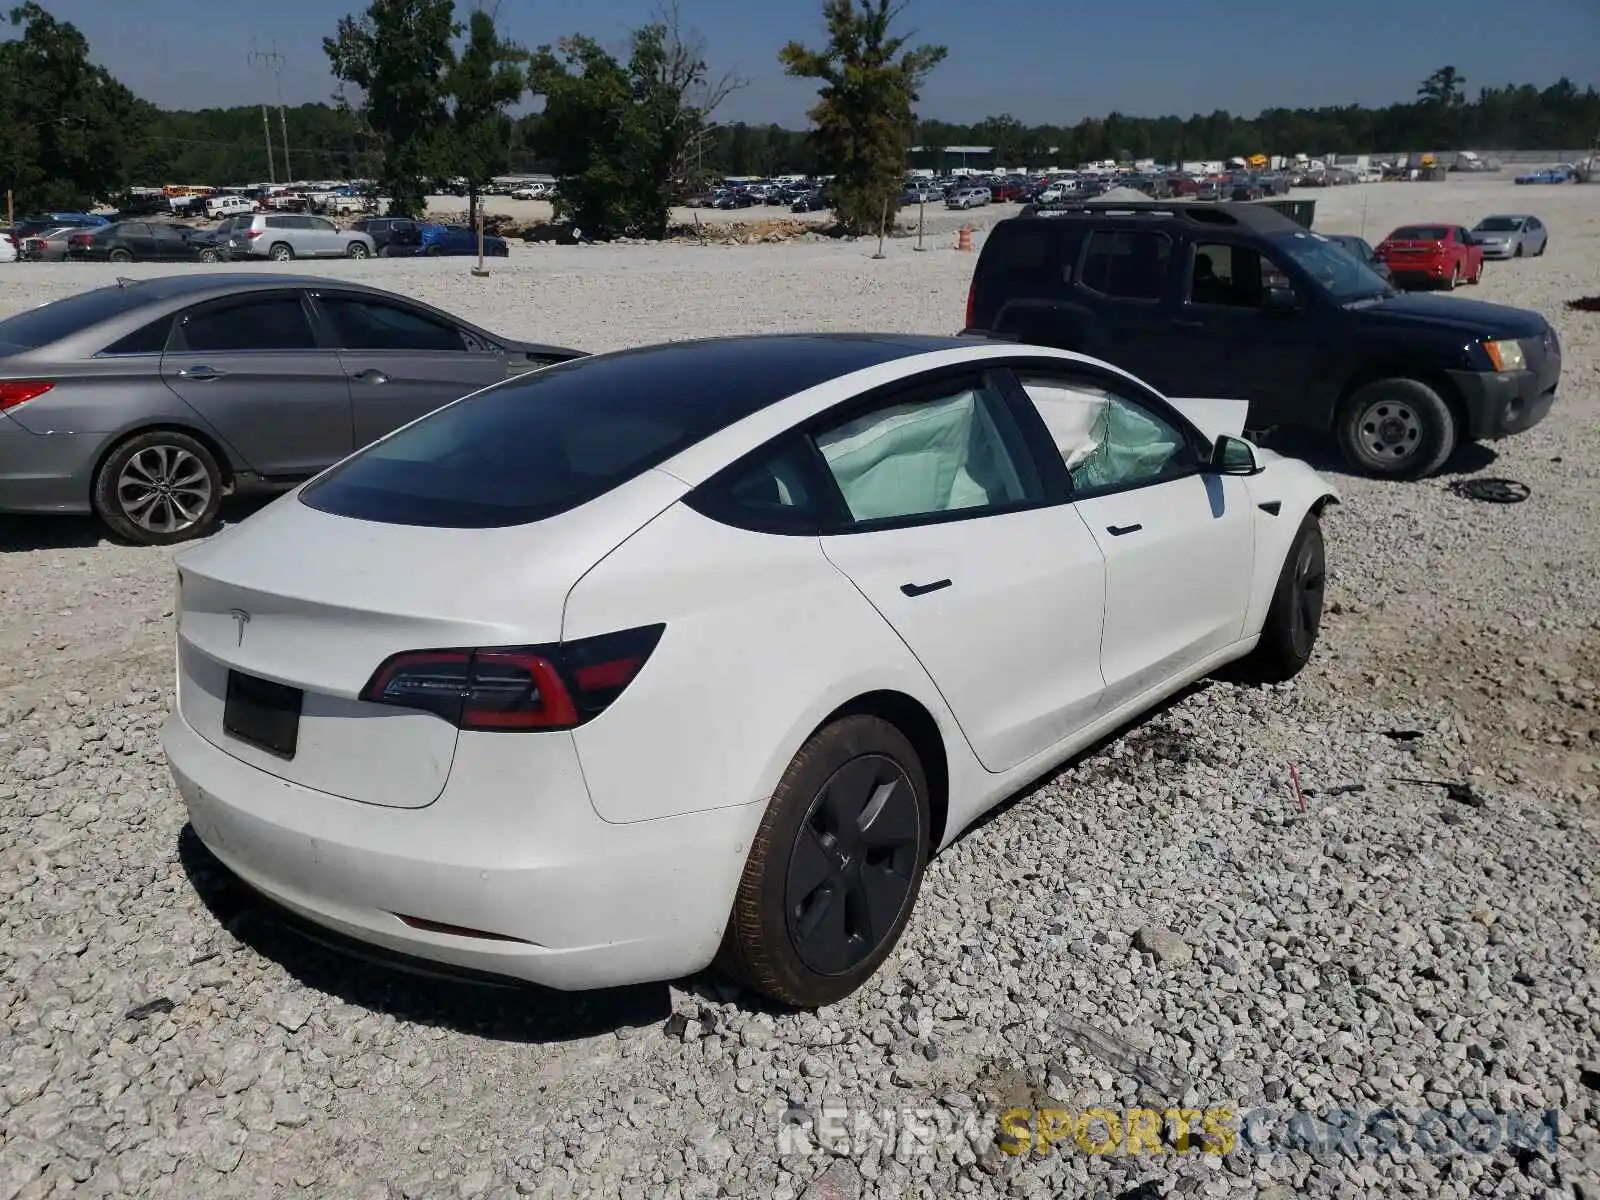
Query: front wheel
(120, 256)
(158, 488)
(356, 250)
(1477, 275)
(209, 256)
(1397, 428)
(1294, 618)
(1455, 278)
(835, 868)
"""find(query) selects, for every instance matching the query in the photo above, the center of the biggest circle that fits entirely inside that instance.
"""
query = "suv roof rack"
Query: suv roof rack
(1258, 215)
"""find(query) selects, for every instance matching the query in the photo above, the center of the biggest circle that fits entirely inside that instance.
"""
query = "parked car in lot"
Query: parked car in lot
(1363, 252)
(389, 234)
(813, 201)
(283, 237)
(1511, 236)
(450, 698)
(1561, 173)
(435, 240)
(133, 241)
(145, 401)
(48, 245)
(229, 206)
(1239, 301)
(1432, 255)
(967, 197)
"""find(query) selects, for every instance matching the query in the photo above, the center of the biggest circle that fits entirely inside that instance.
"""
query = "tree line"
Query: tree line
(424, 95)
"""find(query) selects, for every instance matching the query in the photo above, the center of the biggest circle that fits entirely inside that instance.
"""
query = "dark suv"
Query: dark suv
(1237, 301)
(393, 236)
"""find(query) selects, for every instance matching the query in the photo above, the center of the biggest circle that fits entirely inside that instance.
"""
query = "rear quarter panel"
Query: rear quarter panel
(764, 638)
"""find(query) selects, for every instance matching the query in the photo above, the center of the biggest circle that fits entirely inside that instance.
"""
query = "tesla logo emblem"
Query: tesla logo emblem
(240, 619)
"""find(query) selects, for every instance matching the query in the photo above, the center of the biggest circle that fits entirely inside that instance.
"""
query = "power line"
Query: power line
(274, 62)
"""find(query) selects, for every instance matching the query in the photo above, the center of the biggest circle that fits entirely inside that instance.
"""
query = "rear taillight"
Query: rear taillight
(252, 233)
(515, 687)
(80, 239)
(20, 391)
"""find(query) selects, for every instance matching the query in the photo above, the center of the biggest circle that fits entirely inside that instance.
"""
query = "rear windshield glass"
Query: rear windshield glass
(1499, 224)
(532, 448)
(51, 322)
(1420, 233)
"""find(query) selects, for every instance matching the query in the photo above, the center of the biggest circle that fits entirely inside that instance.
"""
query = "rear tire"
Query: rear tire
(281, 252)
(1397, 429)
(158, 488)
(356, 250)
(1294, 617)
(835, 868)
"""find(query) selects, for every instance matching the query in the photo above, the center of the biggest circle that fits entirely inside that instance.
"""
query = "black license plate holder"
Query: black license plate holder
(263, 713)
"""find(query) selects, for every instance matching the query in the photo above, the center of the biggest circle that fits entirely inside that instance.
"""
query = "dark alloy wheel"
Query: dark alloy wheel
(853, 865)
(1294, 619)
(834, 870)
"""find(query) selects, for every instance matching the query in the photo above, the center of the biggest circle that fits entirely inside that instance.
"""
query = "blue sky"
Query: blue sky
(1040, 60)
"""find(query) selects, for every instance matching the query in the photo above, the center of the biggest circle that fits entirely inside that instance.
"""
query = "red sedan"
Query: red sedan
(1437, 255)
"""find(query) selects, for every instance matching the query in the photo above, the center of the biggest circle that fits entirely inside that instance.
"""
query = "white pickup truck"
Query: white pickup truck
(229, 206)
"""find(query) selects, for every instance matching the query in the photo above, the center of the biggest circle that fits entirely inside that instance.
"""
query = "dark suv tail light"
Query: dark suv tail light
(515, 687)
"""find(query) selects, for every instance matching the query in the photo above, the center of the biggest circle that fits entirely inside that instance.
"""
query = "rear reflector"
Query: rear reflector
(507, 688)
(15, 392)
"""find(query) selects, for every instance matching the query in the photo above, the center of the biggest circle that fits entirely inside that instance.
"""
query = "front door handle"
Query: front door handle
(200, 373)
(922, 589)
(370, 376)
(1119, 530)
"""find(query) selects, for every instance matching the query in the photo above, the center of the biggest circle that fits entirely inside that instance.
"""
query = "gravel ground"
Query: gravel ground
(1161, 923)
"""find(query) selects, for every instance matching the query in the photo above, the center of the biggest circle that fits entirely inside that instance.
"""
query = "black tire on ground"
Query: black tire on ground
(846, 831)
(119, 255)
(1294, 617)
(1517, 253)
(356, 250)
(281, 252)
(194, 471)
(1477, 275)
(1455, 278)
(1397, 429)
(209, 256)
(1543, 246)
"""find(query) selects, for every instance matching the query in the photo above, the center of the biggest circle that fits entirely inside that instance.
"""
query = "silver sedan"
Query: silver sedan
(145, 401)
(48, 245)
(1511, 235)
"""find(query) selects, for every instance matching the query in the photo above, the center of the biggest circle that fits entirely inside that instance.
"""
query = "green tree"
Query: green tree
(399, 54)
(620, 136)
(864, 116)
(68, 130)
(1444, 88)
(486, 79)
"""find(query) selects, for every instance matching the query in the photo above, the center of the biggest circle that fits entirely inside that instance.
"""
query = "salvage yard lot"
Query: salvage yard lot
(1389, 945)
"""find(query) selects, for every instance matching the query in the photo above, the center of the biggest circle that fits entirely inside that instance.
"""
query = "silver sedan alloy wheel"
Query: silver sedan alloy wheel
(164, 489)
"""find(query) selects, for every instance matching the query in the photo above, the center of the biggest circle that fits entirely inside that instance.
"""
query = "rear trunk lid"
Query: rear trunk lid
(315, 602)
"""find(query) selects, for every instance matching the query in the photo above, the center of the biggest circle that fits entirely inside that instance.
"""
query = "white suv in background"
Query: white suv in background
(229, 206)
(286, 236)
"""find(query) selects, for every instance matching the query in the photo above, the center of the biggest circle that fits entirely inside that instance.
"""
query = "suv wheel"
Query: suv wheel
(209, 256)
(158, 488)
(835, 867)
(357, 250)
(1398, 428)
(119, 256)
(280, 252)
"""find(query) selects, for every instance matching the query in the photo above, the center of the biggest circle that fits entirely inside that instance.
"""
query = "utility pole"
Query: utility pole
(266, 132)
(273, 61)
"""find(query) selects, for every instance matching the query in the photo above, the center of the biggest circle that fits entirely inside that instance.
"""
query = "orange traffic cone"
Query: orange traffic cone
(964, 238)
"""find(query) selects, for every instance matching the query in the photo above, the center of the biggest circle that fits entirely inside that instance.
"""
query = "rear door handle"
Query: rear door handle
(922, 589)
(202, 374)
(1119, 530)
(372, 375)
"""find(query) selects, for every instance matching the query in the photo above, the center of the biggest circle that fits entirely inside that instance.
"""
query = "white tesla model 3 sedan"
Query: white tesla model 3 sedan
(696, 652)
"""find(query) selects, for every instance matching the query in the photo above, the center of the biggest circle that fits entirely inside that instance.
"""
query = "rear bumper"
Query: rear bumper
(45, 472)
(1500, 404)
(575, 902)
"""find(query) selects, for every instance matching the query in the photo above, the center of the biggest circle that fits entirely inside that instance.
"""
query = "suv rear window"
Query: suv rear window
(60, 318)
(535, 447)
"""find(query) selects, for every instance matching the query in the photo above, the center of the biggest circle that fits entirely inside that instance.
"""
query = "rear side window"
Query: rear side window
(374, 325)
(1022, 260)
(51, 322)
(152, 339)
(271, 323)
(1126, 264)
(777, 490)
